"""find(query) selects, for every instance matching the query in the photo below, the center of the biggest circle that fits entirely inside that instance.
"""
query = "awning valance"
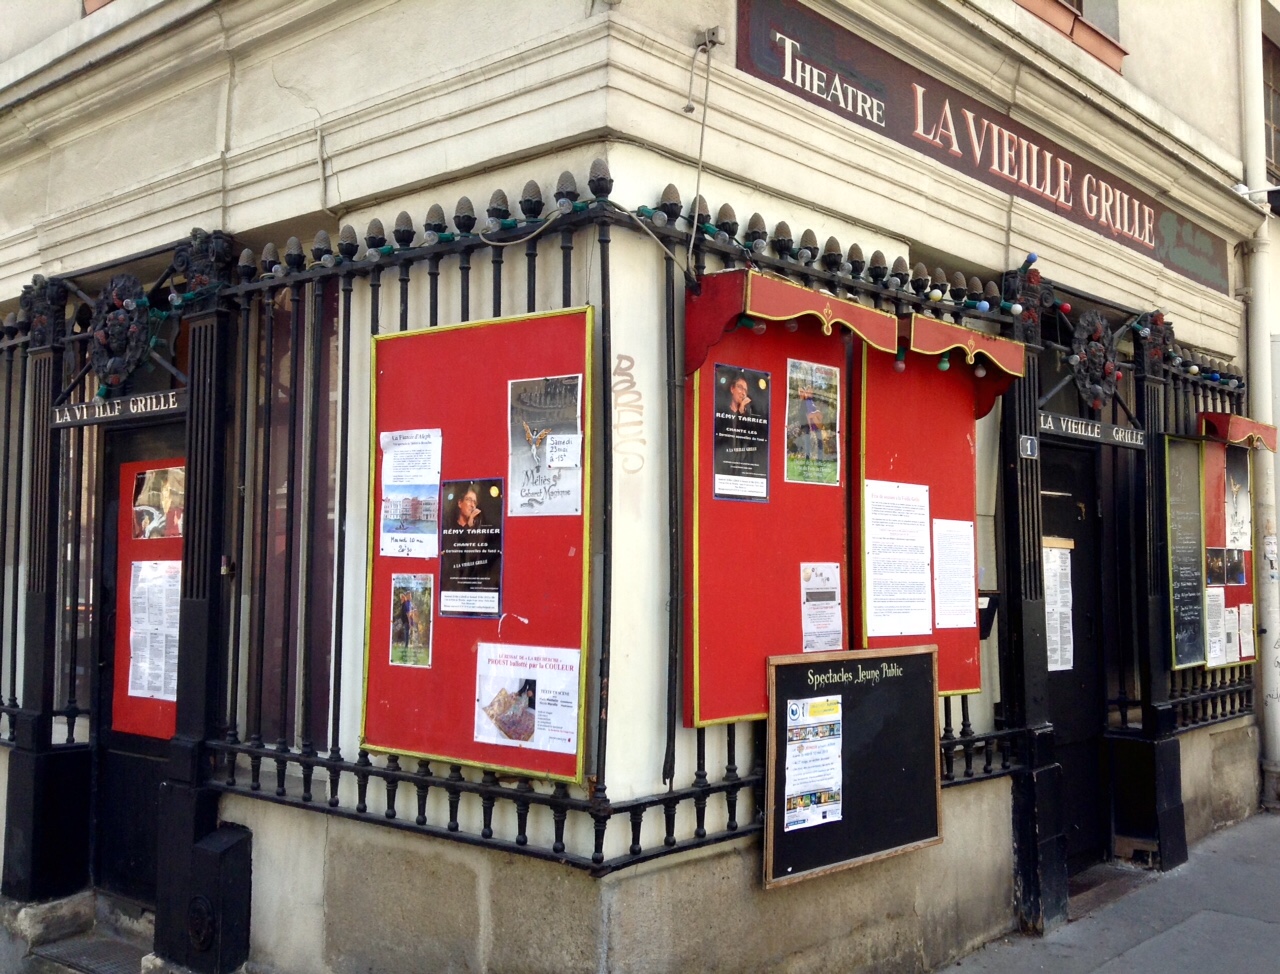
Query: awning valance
(1237, 429)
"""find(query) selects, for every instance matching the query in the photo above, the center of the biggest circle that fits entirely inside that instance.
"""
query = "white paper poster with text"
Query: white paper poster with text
(955, 590)
(898, 577)
(527, 696)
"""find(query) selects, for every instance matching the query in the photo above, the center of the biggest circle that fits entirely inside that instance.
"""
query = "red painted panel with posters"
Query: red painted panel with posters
(766, 500)
(1228, 539)
(478, 627)
(918, 443)
(148, 578)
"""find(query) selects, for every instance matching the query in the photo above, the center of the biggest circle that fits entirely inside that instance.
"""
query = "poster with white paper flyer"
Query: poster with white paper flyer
(1059, 636)
(155, 591)
(955, 589)
(1215, 625)
(814, 778)
(544, 421)
(527, 696)
(1233, 635)
(821, 619)
(1247, 636)
(410, 522)
(898, 576)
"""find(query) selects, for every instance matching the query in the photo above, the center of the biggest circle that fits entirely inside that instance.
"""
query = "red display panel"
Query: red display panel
(457, 379)
(919, 427)
(743, 555)
(1229, 554)
(148, 530)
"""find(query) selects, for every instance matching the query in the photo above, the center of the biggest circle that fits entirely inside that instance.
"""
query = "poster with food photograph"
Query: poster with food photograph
(527, 696)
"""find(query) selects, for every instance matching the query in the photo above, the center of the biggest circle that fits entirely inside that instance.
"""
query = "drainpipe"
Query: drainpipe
(1263, 346)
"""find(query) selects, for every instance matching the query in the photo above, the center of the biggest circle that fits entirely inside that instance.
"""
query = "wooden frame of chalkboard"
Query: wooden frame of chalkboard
(1184, 526)
(889, 796)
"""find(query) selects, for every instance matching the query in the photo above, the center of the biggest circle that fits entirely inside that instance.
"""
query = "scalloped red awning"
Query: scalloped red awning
(729, 294)
(933, 336)
(1237, 429)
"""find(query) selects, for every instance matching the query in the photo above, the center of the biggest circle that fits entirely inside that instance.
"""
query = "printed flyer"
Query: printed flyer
(471, 548)
(411, 604)
(814, 770)
(410, 493)
(544, 468)
(813, 423)
(527, 696)
(821, 621)
(740, 434)
(154, 599)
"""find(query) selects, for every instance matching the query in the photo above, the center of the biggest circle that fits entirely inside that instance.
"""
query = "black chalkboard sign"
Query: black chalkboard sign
(1185, 524)
(852, 774)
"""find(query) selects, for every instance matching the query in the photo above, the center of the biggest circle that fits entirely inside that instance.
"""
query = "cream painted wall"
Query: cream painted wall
(1201, 88)
(28, 22)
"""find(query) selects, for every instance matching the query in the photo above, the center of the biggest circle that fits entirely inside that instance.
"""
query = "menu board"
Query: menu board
(1185, 524)
(852, 771)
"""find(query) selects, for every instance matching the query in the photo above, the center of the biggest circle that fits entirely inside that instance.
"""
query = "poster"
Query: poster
(813, 423)
(1248, 638)
(544, 420)
(955, 590)
(154, 598)
(1215, 566)
(1059, 635)
(527, 696)
(897, 559)
(411, 622)
(740, 434)
(1215, 626)
(410, 493)
(471, 548)
(1233, 566)
(159, 498)
(814, 774)
(1232, 630)
(1239, 503)
(821, 619)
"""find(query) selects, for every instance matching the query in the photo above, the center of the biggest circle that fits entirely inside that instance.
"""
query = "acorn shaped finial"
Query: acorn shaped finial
(727, 220)
(857, 262)
(808, 247)
(756, 229)
(270, 258)
(247, 267)
(669, 202)
(293, 255)
(598, 179)
(435, 219)
(783, 242)
(832, 255)
(499, 208)
(348, 244)
(567, 187)
(958, 287)
(919, 279)
(701, 213)
(464, 215)
(375, 236)
(320, 245)
(404, 230)
(531, 200)
(879, 267)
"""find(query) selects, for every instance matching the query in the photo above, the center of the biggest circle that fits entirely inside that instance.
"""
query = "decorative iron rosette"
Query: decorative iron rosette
(121, 331)
(205, 262)
(1155, 337)
(1093, 359)
(1027, 288)
(45, 302)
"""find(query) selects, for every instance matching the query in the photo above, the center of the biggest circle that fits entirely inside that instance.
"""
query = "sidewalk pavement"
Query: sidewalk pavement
(1218, 913)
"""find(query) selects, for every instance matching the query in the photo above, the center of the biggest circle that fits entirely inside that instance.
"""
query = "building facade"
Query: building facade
(1020, 211)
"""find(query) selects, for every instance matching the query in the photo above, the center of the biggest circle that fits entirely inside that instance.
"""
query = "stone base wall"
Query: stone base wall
(1220, 775)
(332, 896)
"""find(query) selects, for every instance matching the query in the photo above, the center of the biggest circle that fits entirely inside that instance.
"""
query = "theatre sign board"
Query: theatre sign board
(790, 46)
